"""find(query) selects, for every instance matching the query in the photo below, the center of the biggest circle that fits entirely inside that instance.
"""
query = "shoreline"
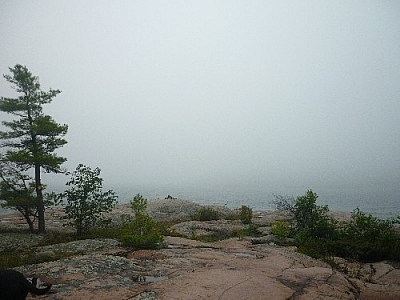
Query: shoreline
(187, 269)
(184, 268)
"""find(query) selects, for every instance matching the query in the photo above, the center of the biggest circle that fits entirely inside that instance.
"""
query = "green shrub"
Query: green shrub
(368, 238)
(139, 205)
(206, 214)
(137, 241)
(86, 203)
(140, 231)
(251, 230)
(246, 214)
(364, 238)
(312, 218)
(281, 229)
(314, 230)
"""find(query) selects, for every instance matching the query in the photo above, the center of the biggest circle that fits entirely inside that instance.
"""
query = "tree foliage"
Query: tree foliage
(311, 218)
(368, 238)
(17, 190)
(140, 231)
(284, 203)
(364, 238)
(30, 143)
(139, 205)
(246, 214)
(85, 202)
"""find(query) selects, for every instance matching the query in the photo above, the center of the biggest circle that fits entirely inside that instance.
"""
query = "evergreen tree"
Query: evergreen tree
(31, 140)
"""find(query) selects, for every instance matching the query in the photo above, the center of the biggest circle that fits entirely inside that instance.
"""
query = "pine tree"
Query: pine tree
(32, 138)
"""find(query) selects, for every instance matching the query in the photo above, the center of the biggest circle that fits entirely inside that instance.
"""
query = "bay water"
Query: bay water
(381, 202)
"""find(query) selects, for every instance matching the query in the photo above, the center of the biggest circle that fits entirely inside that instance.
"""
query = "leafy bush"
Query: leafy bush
(206, 214)
(140, 231)
(364, 238)
(86, 203)
(246, 214)
(312, 218)
(314, 229)
(136, 241)
(367, 238)
(281, 229)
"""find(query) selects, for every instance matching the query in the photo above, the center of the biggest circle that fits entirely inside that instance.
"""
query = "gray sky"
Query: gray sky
(294, 93)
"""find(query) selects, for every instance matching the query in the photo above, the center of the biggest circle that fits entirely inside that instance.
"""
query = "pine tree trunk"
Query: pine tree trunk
(39, 193)
(25, 213)
(30, 223)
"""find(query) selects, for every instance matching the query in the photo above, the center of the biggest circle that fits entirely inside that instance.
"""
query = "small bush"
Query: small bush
(206, 214)
(140, 231)
(281, 229)
(312, 218)
(137, 241)
(139, 205)
(251, 230)
(246, 214)
(367, 238)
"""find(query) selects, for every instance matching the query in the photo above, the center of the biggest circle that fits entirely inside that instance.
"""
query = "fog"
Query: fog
(235, 93)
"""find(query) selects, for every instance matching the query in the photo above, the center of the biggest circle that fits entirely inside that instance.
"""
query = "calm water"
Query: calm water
(380, 202)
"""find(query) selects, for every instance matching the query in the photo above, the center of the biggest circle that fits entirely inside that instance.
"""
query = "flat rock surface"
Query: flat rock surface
(187, 269)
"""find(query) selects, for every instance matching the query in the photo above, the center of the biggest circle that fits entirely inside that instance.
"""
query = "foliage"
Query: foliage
(17, 191)
(246, 214)
(313, 219)
(281, 229)
(284, 203)
(139, 205)
(137, 241)
(314, 229)
(86, 203)
(364, 238)
(367, 238)
(206, 214)
(140, 231)
(30, 143)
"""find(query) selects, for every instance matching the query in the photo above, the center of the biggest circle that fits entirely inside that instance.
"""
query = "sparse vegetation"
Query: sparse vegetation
(246, 214)
(11, 259)
(284, 203)
(206, 214)
(363, 238)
